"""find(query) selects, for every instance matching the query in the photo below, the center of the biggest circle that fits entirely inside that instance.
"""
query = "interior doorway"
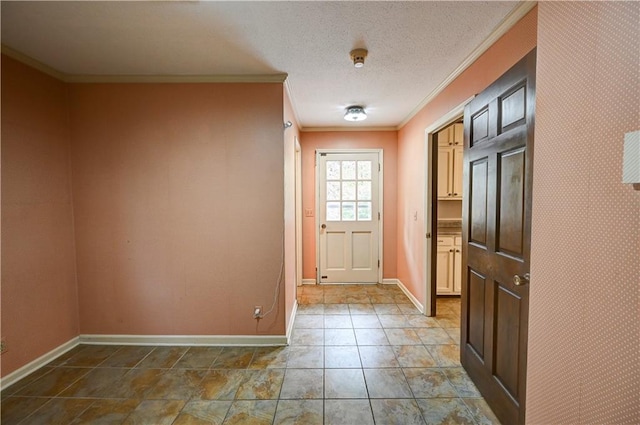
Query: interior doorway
(443, 196)
(349, 212)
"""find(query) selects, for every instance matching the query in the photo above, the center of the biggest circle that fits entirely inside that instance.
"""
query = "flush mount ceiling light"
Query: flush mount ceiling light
(355, 113)
(357, 56)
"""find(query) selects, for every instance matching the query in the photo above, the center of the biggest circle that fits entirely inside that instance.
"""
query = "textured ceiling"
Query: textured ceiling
(413, 46)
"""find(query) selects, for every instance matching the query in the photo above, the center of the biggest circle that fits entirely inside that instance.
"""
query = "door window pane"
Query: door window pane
(348, 170)
(364, 211)
(348, 211)
(348, 191)
(333, 170)
(333, 191)
(364, 191)
(333, 211)
(364, 170)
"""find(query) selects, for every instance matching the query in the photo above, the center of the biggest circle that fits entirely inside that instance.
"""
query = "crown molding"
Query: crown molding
(507, 23)
(29, 61)
(248, 78)
(336, 129)
(73, 78)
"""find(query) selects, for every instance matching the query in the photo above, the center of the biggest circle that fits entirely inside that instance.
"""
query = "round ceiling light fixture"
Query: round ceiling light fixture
(355, 113)
(357, 56)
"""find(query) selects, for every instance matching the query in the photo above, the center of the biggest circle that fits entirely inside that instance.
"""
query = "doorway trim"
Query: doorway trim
(298, 207)
(429, 284)
(380, 153)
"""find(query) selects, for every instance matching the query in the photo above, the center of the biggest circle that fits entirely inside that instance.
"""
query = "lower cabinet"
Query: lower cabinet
(449, 265)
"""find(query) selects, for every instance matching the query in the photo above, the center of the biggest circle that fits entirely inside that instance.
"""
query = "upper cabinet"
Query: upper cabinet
(450, 162)
(451, 136)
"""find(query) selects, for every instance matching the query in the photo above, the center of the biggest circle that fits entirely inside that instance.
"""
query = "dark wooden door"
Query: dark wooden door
(498, 161)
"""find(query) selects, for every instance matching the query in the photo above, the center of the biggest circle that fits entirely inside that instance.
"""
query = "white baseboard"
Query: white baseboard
(390, 281)
(36, 364)
(292, 321)
(308, 281)
(413, 299)
(204, 340)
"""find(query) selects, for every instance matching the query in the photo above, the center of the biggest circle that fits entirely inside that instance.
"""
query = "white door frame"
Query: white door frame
(298, 207)
(380, 201)
(447, 119)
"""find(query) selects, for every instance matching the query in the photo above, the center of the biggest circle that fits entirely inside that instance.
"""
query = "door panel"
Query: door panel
(498, 162)
(335, 250)
(511, 169)
(507, 333)
(444, 172)
(478, 202)
(348, 189)
(480, 129)
(361, 250)
(457, 176)
(475, 307)
(513, 107)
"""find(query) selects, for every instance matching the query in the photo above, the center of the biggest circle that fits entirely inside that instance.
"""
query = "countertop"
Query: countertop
(449, 231)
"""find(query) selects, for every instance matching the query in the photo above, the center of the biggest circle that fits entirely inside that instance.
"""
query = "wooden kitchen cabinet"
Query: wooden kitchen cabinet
(449, 265)
(450, 172)
(451, 136)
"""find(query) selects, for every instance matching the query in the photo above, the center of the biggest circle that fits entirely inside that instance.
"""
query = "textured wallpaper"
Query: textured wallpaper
(585, 268)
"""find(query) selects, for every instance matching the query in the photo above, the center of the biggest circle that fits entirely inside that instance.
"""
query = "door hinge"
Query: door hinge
(429, 235)
(323, 154)
(378, 216)
(378, 263)
(378, 166)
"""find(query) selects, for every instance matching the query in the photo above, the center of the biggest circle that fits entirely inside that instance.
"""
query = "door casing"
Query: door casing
(380, 202)
(431, 204)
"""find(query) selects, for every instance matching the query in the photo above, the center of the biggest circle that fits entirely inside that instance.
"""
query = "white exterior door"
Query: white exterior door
(349, 201)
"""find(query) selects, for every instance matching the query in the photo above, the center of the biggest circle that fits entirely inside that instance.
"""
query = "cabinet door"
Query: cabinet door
(457, 137)
(445, 164)
(457, 269)
(444, 277)
(445, 137)
(456, 173)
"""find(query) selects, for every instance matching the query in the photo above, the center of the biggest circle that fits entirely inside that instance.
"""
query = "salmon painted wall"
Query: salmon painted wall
(290, 135)
(178, 204)
(584, 328)
(386, 140)
(504, 53)
(39, 296)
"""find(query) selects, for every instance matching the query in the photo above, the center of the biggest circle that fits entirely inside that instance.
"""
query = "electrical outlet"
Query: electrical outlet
(3, 346)
(257, 312)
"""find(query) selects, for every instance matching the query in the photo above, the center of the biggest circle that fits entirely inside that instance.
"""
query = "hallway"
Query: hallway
(360, 354)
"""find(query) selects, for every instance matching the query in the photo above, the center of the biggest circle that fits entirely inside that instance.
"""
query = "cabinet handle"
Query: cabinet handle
(457, 250)
(451, 250)
(450, 143)
(455, 194)
(448, 194)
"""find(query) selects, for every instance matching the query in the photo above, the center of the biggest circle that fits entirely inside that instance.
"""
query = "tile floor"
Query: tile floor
(360, 354)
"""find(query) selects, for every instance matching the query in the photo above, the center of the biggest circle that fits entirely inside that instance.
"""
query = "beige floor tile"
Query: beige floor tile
(397, 411)
(157, 412)
(341, 412)
(251, 412)
(387, 383)
(299, 412)
(203, 412)
(303, 384)
(344, 383)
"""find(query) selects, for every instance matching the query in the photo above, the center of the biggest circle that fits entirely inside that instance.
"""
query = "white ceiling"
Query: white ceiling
(413, 46)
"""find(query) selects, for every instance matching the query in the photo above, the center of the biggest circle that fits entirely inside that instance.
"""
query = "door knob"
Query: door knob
(521, 280)
(324, 226)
